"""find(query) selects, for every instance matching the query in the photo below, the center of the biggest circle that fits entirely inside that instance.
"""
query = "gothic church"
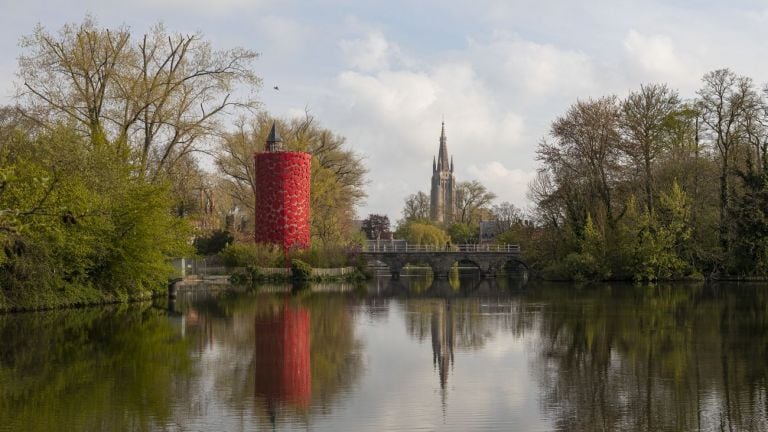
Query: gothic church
(443, 193)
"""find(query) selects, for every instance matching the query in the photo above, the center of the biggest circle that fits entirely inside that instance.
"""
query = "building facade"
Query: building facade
(443, 192)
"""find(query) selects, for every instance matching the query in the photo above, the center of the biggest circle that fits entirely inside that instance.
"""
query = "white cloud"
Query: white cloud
(206, 6)
(509, 184)
(368, 54)
(391, 95)
(534, 68)
(285, 36)
(657, 58)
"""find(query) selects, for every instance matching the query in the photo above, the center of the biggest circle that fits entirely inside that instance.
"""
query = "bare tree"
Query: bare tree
(644, 125)
(584, 156)
(471, 197)
(416, 206)
(156, 97)
(725, 103)
(506, 216)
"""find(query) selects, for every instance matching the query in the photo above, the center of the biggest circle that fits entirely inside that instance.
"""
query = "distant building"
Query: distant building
(443, 192)
(489, 229)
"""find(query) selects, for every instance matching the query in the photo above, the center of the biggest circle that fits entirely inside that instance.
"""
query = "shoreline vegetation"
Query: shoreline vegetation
(654, 187)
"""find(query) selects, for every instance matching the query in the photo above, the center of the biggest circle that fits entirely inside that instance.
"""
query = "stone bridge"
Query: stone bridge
(490, 259)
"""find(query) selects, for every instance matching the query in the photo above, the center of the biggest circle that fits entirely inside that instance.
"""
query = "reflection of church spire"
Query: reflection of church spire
(443, 331)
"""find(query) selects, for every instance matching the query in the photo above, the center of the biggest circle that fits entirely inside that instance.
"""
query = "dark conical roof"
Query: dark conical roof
(274, 142)
(273, 135)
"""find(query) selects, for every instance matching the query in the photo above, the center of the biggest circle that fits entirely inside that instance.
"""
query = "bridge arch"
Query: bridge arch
(490, 259)
(516, 262)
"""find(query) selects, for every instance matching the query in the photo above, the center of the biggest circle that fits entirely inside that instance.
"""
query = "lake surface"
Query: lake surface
(414, 354)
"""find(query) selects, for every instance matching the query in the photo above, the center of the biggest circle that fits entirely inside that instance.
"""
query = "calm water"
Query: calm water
(408, 355)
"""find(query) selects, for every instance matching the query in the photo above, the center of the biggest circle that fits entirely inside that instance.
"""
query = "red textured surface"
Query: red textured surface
(282, 361)
(282, 199)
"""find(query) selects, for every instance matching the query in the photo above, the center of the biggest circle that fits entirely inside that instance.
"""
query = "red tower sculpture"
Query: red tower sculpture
(282, 195)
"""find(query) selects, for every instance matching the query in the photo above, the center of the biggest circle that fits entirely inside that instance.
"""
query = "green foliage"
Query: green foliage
(576, 266)
(300, 271)
(641, 246)
(750, 243)
(375, 226)
(249, 254)
(463, 233)
(84, 228)
(213, 243)
(419, 233)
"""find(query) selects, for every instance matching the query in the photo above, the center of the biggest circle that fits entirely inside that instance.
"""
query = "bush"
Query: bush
(577, 267)
(327, 256)
(300, 271)
(244, 255)
(213, 243)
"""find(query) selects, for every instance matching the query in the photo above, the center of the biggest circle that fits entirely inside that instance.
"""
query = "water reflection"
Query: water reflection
(89, 369)
(409, 354)
(282, 358)
(442, 340)
(654, 358)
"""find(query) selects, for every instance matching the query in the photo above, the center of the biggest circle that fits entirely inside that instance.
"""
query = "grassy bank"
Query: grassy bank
(69, 297)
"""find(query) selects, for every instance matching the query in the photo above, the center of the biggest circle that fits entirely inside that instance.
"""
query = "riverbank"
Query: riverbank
(82, 296)
(70, 298)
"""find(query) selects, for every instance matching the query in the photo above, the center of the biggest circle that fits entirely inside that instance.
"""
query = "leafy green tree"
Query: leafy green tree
(86, 229)
(375, 226)
(418, 233)
(463, 233)
(750, 248)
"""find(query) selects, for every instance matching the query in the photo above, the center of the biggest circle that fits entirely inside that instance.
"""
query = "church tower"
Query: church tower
(443, 193)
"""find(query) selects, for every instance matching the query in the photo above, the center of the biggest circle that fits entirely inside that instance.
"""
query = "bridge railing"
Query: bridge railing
(405, 247)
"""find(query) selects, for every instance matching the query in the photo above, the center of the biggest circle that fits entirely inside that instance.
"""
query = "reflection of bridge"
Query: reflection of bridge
(488, 258)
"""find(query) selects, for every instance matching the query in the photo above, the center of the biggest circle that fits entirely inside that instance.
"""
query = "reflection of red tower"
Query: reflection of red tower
(282, 195)
(282, 357)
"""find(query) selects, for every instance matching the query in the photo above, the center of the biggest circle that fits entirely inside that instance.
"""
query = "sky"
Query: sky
(384, 74)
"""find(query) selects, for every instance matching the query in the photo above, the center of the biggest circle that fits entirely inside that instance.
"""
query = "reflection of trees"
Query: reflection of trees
(658, 358)
(89, 369)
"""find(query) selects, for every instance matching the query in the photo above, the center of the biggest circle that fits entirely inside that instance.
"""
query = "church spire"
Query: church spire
(442, 156)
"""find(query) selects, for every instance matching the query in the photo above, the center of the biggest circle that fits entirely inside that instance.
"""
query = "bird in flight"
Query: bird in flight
(276, 88)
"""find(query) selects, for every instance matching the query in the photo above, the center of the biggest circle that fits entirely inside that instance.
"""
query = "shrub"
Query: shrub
(244, 255)
(300, 270)
(213, 243)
